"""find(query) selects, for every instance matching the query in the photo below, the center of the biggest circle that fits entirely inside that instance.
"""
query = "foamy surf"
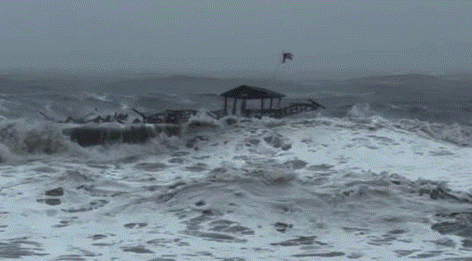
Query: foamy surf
(254, 189)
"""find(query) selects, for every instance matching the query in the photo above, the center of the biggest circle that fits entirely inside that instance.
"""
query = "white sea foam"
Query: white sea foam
(272, 189)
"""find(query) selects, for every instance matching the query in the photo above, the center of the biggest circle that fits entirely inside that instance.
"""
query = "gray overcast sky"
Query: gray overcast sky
(326, 37)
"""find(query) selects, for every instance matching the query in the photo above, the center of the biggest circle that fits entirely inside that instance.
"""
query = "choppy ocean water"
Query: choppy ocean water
(382, 173)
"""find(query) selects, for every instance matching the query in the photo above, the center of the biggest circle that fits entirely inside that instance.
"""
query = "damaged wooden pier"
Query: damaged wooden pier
(90, 136)
(100, 130)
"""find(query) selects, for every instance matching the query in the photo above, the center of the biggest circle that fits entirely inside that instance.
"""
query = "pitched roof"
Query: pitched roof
(251, 92)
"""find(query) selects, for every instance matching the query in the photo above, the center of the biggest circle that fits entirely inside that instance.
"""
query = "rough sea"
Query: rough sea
(383, 173)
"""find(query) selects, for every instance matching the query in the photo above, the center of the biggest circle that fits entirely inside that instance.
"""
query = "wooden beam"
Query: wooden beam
(226, 105)
(243, 107)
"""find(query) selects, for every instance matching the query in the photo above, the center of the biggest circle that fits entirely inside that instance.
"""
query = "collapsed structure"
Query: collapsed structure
(94, 132)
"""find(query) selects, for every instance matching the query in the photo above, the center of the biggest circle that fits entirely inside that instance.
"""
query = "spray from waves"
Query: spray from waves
(204, 120)
(455, 133)
(22, 137)
(360, 112)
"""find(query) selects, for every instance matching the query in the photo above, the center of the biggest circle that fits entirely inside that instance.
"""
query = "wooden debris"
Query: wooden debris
(120, 118)
(169, 116)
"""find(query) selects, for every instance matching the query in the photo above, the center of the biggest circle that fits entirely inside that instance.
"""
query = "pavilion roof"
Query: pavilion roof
(251, 92)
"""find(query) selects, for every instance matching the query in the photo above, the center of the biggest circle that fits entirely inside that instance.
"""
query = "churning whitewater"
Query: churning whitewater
(380, 174)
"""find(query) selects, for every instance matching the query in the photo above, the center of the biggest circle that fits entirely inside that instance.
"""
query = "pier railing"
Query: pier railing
(291, 109)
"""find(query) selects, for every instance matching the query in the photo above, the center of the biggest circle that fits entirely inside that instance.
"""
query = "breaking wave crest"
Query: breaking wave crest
(346, 199)
(454, 133)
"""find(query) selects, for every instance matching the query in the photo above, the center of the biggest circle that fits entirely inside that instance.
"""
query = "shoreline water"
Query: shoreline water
(295, 188)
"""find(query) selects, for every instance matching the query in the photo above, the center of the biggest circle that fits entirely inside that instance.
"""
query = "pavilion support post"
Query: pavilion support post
(226, 105)
(262, 104)
(278, 104)
(243, 107)
(234, 106)
(270, 106)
